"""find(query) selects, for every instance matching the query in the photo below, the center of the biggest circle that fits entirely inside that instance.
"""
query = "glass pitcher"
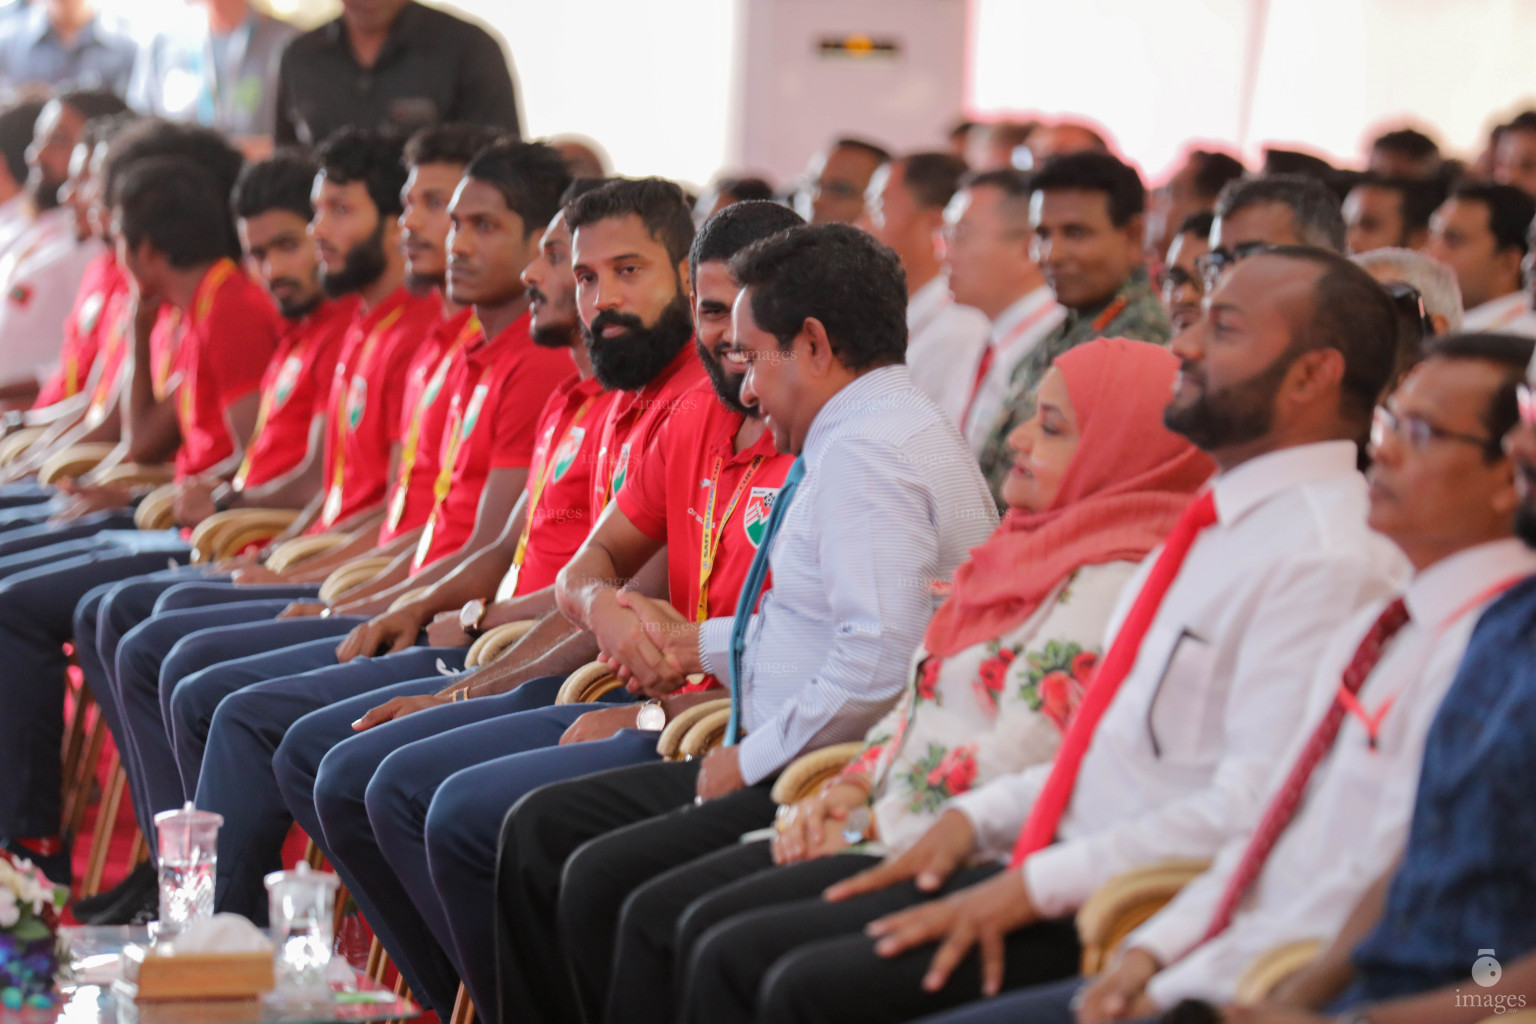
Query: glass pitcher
(301, 905)
(188, 844)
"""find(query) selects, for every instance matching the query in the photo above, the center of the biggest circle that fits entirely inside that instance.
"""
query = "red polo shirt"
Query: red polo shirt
(113, 347)
(85, 328)
(423, 412)
(558, 512)
(232, 329)
(496, 389)
(293, 393)
(632, 420)
(668, 491)
(366, 395)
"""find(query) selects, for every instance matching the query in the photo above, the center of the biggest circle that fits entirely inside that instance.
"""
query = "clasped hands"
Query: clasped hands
(646, 642)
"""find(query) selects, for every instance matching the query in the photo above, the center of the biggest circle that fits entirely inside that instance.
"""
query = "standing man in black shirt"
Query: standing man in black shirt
(394, 62)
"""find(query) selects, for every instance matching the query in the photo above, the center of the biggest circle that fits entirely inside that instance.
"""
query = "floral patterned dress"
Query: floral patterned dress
(990, 710)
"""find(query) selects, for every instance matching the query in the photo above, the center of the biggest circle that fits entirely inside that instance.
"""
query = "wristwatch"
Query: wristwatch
(471, 616)
(856, 825)
(652, 716)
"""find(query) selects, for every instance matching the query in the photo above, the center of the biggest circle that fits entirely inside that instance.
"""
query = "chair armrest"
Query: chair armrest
(670, 743)
(17, 442)
(225, 534)
(139, 474)
(157, 510)
(1272, 967)
(351, 576)
(587, 684)
(494, 642)
(808, 771)
(73, 461)
(291, 552)
(1124, 902)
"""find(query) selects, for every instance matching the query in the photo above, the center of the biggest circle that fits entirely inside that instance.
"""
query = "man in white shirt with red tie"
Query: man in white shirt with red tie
(987, 239)
(1194, 702)
(904, 206)
(1336, 812)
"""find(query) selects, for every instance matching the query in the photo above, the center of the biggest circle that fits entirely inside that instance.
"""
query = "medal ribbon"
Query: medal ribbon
(710, 544)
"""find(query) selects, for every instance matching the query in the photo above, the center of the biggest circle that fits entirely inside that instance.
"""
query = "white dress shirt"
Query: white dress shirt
(944, 342)
(890, 504)
(1508, 314)
(1353, 820)
(15, 217)
(1183, 753)
(1015, 333)
(39, 276)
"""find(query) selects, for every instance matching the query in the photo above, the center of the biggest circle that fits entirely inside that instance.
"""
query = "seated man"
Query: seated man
(1191, 707)
(165, 218)
(1337, 812)
(824, 655)
(411, 811)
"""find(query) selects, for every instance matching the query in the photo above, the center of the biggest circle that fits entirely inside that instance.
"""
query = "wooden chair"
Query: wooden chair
(351, 576)
(1123, 903)
(226, 534)
(17, 442)
(463, 1009)
(158, 509)
(696, 731)
(73, 461)
(806, 773)
(139, 474)
(1273, 967)
(80, 782)
(290, 553)
(494, 642)
(587, 684)
(106, 821)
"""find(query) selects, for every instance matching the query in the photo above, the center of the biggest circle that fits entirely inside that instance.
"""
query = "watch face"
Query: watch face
(471, 614)
(856, 825)
(652, 717)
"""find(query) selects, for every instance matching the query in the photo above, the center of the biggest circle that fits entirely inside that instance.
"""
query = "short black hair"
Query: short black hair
(1197, 223)
(879, 152)
(89, 103)
(838, 275)
(1408, 142)
(151, 137)
(1525, 121)
(452, 143)
(1512, 354)
(580, 187)
(105, 129)
(1213, 169)
(1091, 171)
(744, 189)
(1510, 211)
(1352, 314)
(373, 156)
(16, 126)
(1418, 200)
(283, 181)
(530, 176)
(659, 203)
(1315, 209)
(737, 226)
(171, 202)
(932, 178)
(1015, 185)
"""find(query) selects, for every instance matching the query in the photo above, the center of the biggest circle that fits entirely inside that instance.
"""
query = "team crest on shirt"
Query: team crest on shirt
(754, 518)
(621, 468)
(357, 401)
(472, 414)
(21, 295)
(565, 455)
(90, 313)
(287, 380)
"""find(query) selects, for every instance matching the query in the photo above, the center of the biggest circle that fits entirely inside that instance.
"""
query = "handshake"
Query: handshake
(647, 643)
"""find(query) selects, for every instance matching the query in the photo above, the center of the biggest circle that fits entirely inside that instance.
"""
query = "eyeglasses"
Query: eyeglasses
(1410, 303)
(1417, 433)
(1171, 280)
(1218, 261)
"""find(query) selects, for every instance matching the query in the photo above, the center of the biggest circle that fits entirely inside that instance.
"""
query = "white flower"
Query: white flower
(10, 913)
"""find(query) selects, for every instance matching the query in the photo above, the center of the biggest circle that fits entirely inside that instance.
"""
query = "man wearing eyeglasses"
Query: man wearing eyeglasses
(838, 179)
(1277, 209)
(1278, 382)
(1179, 282)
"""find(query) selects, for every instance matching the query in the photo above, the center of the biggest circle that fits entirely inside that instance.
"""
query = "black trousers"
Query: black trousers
(571, 853)
(767, 948)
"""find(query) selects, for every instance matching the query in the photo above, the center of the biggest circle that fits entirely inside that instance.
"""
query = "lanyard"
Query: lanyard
(111, 360)
(409, 450)
(710, 544)
(1372, 722)
(546, 470)
(341, 420)
(282, 378)
(460, 426)
(990, 353)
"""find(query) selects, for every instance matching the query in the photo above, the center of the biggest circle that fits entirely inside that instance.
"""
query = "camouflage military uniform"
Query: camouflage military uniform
(1132, 312)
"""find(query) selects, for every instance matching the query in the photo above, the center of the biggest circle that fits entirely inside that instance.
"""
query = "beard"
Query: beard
(363, 265)
(727, 386)
(300, 307)
(631, 362)
(551, 332)
(1237, 414)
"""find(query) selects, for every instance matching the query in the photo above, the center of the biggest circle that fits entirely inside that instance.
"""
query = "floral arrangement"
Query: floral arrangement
(29, 924)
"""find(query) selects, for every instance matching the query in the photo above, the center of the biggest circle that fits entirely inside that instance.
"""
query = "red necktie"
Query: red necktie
(1040, 829)
(988, 356)
(1283, 807)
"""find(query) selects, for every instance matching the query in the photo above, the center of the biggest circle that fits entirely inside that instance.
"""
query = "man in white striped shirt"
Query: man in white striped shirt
(887, 502)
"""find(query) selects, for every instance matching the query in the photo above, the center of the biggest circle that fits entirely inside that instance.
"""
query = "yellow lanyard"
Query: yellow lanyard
(545, 471)
(409, 449)
(710, 544)
(341, 420)
(460, 426)
(202, 305)
(284, 379)
(111, 359)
